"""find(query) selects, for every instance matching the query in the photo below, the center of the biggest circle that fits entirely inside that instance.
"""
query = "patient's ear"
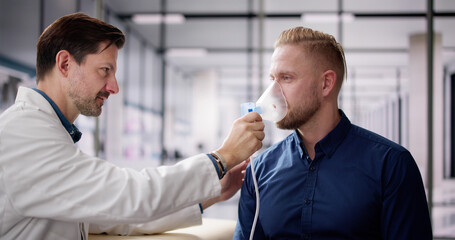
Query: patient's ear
(328, 83)
(62, 60)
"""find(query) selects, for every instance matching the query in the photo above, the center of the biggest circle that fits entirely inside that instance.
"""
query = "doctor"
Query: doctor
(49, 189)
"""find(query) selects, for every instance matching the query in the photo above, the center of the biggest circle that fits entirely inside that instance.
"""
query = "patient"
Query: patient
(329, 179)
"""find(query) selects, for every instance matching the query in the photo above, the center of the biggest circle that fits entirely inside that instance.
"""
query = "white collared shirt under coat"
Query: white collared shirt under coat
(49, 188)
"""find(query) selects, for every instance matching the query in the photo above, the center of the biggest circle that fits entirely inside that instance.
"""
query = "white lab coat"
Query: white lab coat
(49, 189)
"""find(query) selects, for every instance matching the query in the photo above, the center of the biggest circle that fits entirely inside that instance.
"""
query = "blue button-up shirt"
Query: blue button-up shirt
(359, 186)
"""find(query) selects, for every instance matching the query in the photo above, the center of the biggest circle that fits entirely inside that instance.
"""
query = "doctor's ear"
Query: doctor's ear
(328, 84)
(62, 60)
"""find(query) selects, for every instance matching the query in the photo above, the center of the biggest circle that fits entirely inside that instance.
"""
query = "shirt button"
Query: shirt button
(312, 168)
(307, 201)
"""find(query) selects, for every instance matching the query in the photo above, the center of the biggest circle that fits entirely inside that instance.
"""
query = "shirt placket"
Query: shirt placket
(307, 209)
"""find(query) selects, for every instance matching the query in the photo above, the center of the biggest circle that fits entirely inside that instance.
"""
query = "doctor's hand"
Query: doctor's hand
(230, 184)
(244, 139)
(233, 180)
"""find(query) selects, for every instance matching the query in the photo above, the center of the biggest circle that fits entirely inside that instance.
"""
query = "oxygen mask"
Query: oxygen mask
(271, 104)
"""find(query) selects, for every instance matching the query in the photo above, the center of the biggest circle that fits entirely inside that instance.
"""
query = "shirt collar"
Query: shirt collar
(331, 141)
(71, 128)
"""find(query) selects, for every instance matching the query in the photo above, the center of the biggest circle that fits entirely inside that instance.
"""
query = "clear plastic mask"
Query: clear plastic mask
(272, 104)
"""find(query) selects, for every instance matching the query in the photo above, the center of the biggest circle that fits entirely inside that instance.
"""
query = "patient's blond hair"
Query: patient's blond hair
(327, 53)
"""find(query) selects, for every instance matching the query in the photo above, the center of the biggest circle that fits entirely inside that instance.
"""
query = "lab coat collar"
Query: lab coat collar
(71, 128)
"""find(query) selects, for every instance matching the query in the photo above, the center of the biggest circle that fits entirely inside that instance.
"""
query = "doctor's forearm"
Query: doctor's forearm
(209, 202)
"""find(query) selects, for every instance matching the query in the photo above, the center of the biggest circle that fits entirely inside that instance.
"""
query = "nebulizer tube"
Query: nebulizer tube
(272, 106)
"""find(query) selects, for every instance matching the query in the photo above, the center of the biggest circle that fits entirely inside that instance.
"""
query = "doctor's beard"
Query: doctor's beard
(90, 106)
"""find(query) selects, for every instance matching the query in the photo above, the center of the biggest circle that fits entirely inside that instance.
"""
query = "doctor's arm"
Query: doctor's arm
(246, 130)
(186, 217)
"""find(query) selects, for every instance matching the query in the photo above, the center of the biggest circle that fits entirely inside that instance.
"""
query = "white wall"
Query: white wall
(205, 117)
(418, 104)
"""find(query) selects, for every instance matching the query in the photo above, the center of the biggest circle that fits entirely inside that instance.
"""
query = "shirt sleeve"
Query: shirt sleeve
(405, 212)
(46, 176)
(247, 210)
(186, 217)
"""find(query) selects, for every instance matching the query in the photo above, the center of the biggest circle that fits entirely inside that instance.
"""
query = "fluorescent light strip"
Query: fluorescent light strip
(186, 52)
(158, 18)
(327, 17)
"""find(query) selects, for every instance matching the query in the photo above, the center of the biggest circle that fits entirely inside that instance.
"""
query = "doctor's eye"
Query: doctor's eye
(286, 78)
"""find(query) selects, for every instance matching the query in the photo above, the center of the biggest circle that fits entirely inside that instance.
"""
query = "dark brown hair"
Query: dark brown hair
(77, 33)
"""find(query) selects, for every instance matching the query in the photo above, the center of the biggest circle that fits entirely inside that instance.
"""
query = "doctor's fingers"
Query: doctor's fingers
(253, 141)
(252, 117)
(256, 126)
(241, 167)
(260, 135)
(258, 146)
(252, 136)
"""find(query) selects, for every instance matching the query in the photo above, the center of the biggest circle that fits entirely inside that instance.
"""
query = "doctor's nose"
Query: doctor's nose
(112, 85)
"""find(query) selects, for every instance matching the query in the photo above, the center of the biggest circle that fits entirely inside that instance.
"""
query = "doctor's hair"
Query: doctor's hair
(323, 48)
(77, 33)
